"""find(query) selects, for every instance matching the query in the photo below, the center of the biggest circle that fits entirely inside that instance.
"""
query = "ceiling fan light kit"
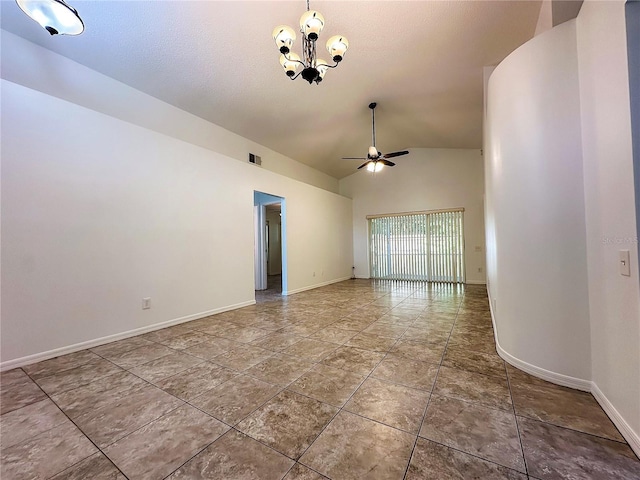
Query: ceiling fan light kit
(313, 68)
(55, 16)
(375, 160)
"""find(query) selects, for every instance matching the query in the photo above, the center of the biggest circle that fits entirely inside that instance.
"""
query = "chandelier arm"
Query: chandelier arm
(294, 60)
(296, 75)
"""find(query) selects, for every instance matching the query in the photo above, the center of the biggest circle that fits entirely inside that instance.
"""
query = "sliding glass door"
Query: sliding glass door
(418, 246)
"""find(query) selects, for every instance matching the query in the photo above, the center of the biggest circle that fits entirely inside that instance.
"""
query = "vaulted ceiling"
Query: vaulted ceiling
(420, 60)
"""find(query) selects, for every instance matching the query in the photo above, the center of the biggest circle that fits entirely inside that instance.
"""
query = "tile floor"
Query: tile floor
(361, 379)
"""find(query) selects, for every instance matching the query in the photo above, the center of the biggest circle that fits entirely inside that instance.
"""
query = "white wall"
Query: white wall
(426, 179)
(98, 213)
(535, 206)
(614, 300)
(560, 205)
(40, 69)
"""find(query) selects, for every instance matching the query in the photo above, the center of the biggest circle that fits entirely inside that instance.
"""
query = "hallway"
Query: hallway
(359, 379)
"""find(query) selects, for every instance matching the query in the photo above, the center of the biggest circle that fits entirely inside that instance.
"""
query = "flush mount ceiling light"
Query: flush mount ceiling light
(55, 16)
(313, 68)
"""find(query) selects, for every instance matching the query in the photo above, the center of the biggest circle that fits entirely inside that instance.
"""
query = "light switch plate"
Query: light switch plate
(625, 268)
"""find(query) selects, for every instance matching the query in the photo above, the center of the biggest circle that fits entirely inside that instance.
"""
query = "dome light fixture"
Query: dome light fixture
(313, 69)
(55, 16)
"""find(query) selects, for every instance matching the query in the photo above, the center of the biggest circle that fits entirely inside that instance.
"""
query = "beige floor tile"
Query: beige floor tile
(95, 395)
(196, 380)
(422, 352)
(20, 393)
(185, 340)
(158, 448)
(288, 423)
(327, 384)
(354, 447)
(488, 433)
(114, 420)
(354, 359)
(75, 377)
(235, 399)
(211, 347)
(280, 369)
(235, 457)
(431, 461)
(131, 358)
(474, 387)
(95, 467)
(300, 472)
(487, 364)
(333, 335)
(394, 405)
(244, 334)
(277, 341)
(46, 454)
(165, 367)
(563, 407)
(113, 349)
(26, 422)
(58, 364)
(398, 369)
(367, 341)
(243, 357)
(312, 350)
(554, 452)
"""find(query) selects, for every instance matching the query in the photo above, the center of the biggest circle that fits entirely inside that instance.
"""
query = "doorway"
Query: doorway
(270, 246)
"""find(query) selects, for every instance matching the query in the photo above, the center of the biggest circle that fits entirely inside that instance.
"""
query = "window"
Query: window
(418, 246)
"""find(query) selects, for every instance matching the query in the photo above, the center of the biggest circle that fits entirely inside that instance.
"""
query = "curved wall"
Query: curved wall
(535, 214)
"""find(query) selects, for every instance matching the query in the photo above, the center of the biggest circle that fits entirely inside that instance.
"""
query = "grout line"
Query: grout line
(515, 417)
(435, 380)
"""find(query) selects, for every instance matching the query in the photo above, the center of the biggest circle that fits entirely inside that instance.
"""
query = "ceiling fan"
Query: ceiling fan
(375, 160)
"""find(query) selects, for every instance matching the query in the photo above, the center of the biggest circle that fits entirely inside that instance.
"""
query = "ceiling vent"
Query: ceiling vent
(255, 159)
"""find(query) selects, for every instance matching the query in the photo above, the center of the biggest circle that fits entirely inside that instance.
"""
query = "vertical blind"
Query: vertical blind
(418, 246)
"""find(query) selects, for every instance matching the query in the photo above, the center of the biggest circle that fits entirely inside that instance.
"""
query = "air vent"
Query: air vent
(255, 159)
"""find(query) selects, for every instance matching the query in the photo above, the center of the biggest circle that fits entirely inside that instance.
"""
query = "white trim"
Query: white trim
(317, 285)
(548, 375)
(364, 277)
(627, 432)
(475, 282)
(38, 357)
(625, 429)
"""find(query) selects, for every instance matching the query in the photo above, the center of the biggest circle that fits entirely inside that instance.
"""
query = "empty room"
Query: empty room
(320, 240)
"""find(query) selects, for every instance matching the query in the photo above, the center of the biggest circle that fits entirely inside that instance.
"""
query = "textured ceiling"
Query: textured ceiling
(420, 60)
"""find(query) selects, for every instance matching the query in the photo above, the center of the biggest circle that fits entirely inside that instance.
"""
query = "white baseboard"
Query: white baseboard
(363, 277)
(475, 282)
(38, 357)
(317, 285)
(548, 375)
(633, 438)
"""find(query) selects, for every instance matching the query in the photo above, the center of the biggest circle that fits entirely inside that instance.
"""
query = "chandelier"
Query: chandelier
(55, 16)
(313, 68)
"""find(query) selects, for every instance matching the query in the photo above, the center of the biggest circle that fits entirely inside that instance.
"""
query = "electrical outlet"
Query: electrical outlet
(314, 274)
(146, 303)
(479, 269)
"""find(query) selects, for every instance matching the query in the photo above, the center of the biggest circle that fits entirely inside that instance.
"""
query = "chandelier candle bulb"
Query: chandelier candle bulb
(311, 24)
(337, 46)
(284, 37)
(290, 63)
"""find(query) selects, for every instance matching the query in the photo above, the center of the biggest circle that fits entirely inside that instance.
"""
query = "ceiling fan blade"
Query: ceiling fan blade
(353, 158)
(396, 154)
(363, 165)
(386, 162)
